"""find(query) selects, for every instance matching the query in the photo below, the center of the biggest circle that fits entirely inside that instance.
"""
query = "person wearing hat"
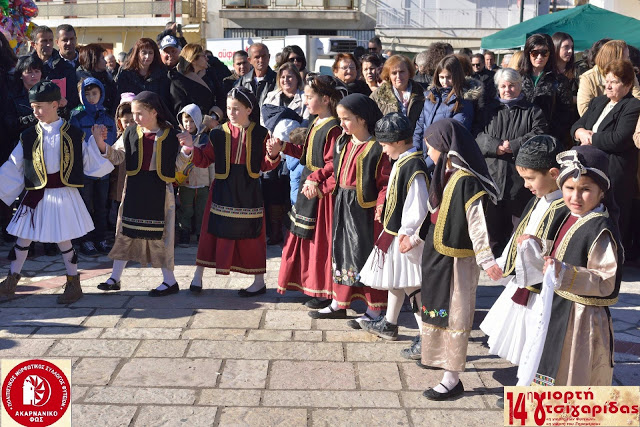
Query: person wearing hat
(394, 263)
(50, 163)
(586, 261)
(512, 321)
(169, 51)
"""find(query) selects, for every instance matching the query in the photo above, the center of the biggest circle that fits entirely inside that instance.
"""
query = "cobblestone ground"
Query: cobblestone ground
(216, 359)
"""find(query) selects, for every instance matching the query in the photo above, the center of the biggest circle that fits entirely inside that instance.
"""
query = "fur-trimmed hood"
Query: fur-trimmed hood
(471, 90)
(384, 94)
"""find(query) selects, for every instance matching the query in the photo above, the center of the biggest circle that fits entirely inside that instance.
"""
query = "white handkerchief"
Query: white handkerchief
(529, 263)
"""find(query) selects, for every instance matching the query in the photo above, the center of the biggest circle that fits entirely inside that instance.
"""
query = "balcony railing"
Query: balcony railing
(118, 8)
(416, 17)
(291, 4)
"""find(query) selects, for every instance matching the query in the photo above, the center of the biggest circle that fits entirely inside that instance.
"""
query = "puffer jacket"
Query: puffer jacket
(111, 98)
(442, 109)
(553, 95)
(388, 103)
(515, 124)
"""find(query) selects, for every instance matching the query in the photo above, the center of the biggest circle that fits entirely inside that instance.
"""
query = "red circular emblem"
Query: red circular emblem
(36, 393)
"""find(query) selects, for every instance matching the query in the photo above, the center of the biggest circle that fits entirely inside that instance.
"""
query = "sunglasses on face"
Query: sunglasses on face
(295, 59)
(539, 52)
(476, 65)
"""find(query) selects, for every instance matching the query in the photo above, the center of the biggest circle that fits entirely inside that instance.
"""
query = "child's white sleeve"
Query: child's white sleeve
(12, 176)
(414, 210)
(93, 163)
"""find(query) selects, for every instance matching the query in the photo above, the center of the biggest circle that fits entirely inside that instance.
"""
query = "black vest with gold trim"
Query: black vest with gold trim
(407, 169)
(575, 249)
(366, 169)
(167, 148)
(71, 170)
(313, 151)
(221, 140)
(451, 232)
(549, 226)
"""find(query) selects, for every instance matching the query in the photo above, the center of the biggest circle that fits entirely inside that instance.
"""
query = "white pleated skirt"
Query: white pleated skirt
(393, 270)
(61, 215)
(508, 324)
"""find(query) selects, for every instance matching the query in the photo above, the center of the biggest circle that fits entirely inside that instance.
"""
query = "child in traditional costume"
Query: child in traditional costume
(361, 172)
(306, 257)
(50, 163)
(394, 264)
(456, 244)
(232, 237)
(514, 317)
(145, 229)
(586, 260)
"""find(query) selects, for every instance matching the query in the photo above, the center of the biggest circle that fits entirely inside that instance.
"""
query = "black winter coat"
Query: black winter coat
(61, 69)
(185, 91)
(615, 137)
(157, 81)
(515, 124)
(489, 93)
(553, 95)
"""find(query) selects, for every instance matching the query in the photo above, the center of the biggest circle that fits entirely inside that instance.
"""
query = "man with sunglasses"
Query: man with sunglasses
(375, 45)
(480, 72)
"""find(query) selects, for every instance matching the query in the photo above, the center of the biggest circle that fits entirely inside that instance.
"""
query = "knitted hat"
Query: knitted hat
(538, 152)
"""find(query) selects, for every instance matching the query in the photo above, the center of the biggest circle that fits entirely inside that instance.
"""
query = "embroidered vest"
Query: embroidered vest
(576, 247)
(221, 140)
(451, 233)
(167, 148)
(366, 170)
(313, 151)
(549, 226)
(407, 168)
(71, 169)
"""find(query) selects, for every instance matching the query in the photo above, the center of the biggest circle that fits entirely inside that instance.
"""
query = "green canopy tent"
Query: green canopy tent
(586, 24)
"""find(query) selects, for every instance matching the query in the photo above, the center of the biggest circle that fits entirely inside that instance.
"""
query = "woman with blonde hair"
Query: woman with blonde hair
(398, 92)
(288, 92)
(592, 82)
(514, 62)
(191, 85)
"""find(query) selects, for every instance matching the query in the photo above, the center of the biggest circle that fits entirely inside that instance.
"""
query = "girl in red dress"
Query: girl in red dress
(232, 236)
(361, 172)
(306, 257)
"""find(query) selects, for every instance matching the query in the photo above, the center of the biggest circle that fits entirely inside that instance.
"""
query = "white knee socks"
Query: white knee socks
(197, 276)
(21, 255)
(69, 257)
(118, 268)
(394, 305)
(258, 283)
(449, 380)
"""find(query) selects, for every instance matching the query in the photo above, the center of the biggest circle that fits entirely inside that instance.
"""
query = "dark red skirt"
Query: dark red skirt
(248, 256)
(306, 263)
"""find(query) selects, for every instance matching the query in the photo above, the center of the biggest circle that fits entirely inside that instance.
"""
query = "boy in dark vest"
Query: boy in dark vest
(50, 163)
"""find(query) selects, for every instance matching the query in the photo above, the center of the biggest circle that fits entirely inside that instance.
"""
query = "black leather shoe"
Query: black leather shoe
(431, 394)
(333, 314)
(317, 304)
(245, 293)
(195, 289)
(109, 285)
(173, 289)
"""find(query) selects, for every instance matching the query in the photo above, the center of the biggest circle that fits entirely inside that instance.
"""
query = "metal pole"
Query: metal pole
(172, 3)
(521, 10)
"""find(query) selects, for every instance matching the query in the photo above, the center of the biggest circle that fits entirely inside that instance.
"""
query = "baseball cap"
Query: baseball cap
(167, 41)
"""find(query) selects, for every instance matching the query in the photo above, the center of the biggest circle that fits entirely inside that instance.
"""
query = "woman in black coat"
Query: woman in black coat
(544, 87)
(143, 70)
(92, 63)
(190, 83)
(509, 121)
(609, 124)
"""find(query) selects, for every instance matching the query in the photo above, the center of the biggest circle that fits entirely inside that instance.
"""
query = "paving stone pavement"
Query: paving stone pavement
(218, 360)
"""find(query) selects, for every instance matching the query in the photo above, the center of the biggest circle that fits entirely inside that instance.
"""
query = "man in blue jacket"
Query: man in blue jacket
(96, 190)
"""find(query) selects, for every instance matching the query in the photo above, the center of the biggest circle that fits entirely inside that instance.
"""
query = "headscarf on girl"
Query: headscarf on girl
(363, 107)
(455, 142)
